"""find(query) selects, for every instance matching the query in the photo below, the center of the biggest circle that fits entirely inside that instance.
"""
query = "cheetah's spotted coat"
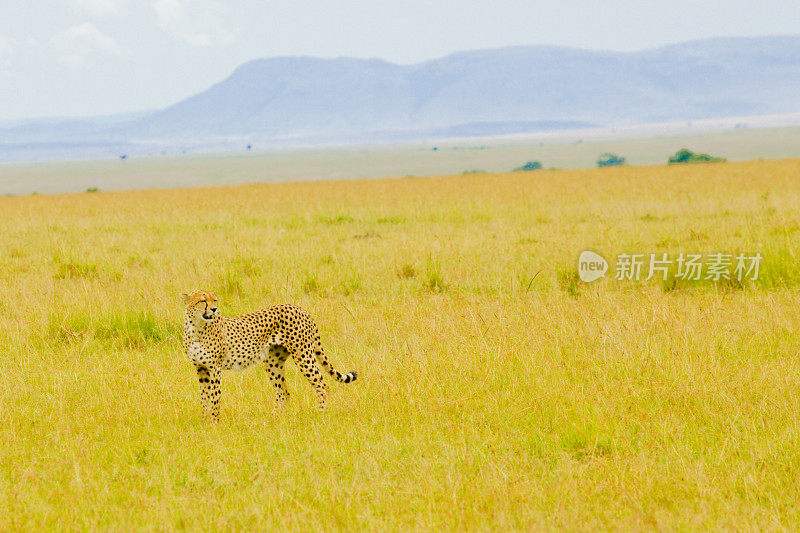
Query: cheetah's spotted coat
(214, 343)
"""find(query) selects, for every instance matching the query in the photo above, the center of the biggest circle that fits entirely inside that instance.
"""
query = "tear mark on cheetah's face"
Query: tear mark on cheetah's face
(201, 307)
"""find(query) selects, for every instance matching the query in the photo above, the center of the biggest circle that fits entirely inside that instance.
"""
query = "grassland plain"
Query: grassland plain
(495, 390)
(500, 154)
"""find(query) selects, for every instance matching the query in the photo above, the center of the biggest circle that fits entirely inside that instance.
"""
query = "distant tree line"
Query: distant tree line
(609, 159)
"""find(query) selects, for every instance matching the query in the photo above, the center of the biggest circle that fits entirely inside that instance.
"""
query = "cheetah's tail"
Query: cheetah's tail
(326, 365)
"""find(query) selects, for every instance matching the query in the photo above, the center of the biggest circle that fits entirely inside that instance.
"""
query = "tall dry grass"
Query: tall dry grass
(495, 389)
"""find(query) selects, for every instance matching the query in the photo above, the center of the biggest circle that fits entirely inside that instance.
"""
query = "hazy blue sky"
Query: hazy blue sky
(91, 57)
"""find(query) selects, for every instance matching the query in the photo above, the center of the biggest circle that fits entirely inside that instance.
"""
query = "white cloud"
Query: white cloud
(8, 47)
(197, 22)
(101, 8)
(76, 45)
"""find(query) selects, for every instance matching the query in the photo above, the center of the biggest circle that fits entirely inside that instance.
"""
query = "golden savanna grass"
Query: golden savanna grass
(495, 390)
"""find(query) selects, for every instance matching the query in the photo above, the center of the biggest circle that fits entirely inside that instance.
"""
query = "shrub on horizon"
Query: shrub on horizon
(530, 165)
(687, 156)
(610, 160)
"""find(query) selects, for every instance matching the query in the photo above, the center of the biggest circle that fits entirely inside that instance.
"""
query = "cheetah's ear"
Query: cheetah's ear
(185, 298)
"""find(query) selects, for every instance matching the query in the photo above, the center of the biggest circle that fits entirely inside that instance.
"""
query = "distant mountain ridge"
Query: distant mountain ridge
(299, 96)
(485, 92)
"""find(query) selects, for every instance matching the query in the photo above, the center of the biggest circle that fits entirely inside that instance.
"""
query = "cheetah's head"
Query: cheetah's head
(201, 306)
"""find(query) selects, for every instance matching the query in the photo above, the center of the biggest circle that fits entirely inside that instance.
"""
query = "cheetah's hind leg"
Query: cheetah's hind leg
(275, 365)
(308, 366)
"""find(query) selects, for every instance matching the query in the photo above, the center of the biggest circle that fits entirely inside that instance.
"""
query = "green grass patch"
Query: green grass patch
(127, 329)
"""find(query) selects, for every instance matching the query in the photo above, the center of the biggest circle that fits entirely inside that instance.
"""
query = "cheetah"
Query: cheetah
(214, 343)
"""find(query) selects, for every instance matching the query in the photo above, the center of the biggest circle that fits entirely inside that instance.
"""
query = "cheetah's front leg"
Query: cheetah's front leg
(210, 391)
